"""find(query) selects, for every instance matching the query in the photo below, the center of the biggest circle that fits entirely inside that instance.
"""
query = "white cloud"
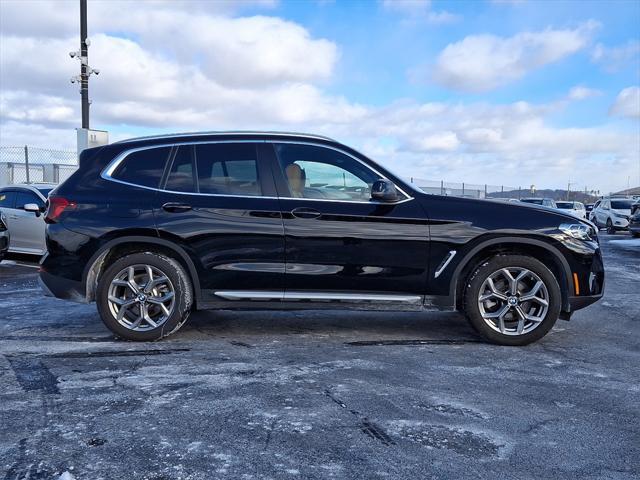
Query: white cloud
(155, 74)
(580, 92)
(627, 103)
(419, 10)
(616, 58)
(479, 63)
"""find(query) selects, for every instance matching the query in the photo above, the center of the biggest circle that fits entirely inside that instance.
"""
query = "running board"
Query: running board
(317, 296)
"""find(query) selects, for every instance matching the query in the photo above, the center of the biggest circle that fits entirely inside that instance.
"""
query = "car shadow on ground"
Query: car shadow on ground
(352, 326)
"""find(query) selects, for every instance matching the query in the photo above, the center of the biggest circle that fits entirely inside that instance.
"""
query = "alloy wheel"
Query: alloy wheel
(141, 297)
(513, 301)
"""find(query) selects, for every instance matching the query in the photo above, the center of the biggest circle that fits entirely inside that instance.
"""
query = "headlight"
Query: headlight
(577, 230)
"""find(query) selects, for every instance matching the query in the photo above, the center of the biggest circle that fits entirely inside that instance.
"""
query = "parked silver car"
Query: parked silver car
(23, 207)
(4, 236)
(612, 213)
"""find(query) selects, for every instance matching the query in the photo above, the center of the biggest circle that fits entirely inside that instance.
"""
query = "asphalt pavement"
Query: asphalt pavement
(319, 395)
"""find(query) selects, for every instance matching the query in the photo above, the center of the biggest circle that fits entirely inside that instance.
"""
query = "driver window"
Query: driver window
(323, 173)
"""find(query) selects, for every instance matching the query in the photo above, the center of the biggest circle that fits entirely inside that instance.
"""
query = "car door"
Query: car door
(7, 204)
(341, 245)
(28, 228)
(603, 212)
(593, 215)
(219, 201)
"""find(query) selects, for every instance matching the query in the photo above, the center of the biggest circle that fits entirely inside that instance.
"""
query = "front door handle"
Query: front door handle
(176, 207)
(304, 212)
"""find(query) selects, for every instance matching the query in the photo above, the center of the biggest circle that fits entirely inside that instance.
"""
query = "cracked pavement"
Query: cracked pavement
(317, 395)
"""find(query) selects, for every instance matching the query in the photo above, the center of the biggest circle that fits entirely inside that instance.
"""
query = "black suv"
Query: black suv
(152, 228)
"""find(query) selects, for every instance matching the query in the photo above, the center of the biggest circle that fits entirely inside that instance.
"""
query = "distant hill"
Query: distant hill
(629, 191)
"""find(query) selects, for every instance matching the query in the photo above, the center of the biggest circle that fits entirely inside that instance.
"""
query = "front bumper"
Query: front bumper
(620, 223)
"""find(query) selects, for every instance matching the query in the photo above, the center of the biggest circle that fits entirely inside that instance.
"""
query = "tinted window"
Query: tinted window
(6, 199)
(228, 168)
(22, 198)
(536, 201)
(45, 191)
(621, 204)
(181, 177)
(565, 205)
(144, 167)
(317, 172)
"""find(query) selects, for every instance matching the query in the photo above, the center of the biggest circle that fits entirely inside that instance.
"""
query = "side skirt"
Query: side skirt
(325, 300)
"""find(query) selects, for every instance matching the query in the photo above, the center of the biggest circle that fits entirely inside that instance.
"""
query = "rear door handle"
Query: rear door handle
(176, 207)
(304, 212)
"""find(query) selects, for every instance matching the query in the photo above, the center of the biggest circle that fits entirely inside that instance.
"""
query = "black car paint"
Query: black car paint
(256, 243)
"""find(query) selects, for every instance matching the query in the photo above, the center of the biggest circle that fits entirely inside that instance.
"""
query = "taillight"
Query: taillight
(57, 205)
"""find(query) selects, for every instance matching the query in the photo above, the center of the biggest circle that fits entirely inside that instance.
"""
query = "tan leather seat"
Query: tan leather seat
(296, 178)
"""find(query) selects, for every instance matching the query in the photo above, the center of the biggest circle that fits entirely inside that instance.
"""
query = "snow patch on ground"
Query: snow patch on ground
(627, 242)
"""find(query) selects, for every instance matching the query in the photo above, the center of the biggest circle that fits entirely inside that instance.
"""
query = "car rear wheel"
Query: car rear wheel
(144, 296)
(512, 300)
(610, 228)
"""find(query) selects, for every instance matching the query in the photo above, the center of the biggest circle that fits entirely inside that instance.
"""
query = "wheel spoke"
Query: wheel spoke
(156, 281)
(160, 300)
(131, 277)
(494, 290)
(498, 313)
(122, 302)
(521, 320)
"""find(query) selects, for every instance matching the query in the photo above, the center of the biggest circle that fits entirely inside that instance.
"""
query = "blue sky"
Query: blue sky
(502, 92)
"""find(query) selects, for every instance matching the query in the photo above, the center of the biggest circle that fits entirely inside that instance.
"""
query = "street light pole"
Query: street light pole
(84, 65)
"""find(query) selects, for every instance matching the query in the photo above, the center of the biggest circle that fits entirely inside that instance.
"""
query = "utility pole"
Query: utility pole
(86, 138)
(84, 65)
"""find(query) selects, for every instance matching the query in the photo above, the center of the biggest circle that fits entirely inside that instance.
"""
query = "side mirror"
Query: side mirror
(32, 207)
(384, 191)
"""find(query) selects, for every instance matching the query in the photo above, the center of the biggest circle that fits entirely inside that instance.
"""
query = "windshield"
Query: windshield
(621, 204)
(565, 205)
(537, 201)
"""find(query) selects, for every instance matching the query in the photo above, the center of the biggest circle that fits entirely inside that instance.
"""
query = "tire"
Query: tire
(611, 230)
(166, 301)
(516, 330)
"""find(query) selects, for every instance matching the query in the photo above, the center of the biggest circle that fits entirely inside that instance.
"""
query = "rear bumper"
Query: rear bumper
(60, 287)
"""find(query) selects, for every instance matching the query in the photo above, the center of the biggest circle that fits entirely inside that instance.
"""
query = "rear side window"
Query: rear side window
(143, 167)
(181, 176)
(6, 199)
(22, 198)
(228, 169)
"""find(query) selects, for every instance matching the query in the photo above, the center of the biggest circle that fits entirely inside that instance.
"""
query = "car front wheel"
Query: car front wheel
(144, 296)
(610, 228)
(512, 300)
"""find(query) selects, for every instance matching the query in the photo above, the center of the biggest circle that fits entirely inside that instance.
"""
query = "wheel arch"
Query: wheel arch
(135, 243)
(538, 249)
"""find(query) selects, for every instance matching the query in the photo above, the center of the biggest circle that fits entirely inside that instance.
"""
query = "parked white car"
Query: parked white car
(23, 207)
(612, 213)
(574, 208)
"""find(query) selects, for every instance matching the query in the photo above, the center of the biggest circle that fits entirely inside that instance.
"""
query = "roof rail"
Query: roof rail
(213, 133)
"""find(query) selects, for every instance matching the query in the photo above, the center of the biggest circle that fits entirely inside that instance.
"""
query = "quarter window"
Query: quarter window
(228, 169)
(317, 172)
(143, 167)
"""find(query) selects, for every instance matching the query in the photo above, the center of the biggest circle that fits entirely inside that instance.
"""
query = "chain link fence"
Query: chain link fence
(36, 165)
(470, 190)
(44, 165)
